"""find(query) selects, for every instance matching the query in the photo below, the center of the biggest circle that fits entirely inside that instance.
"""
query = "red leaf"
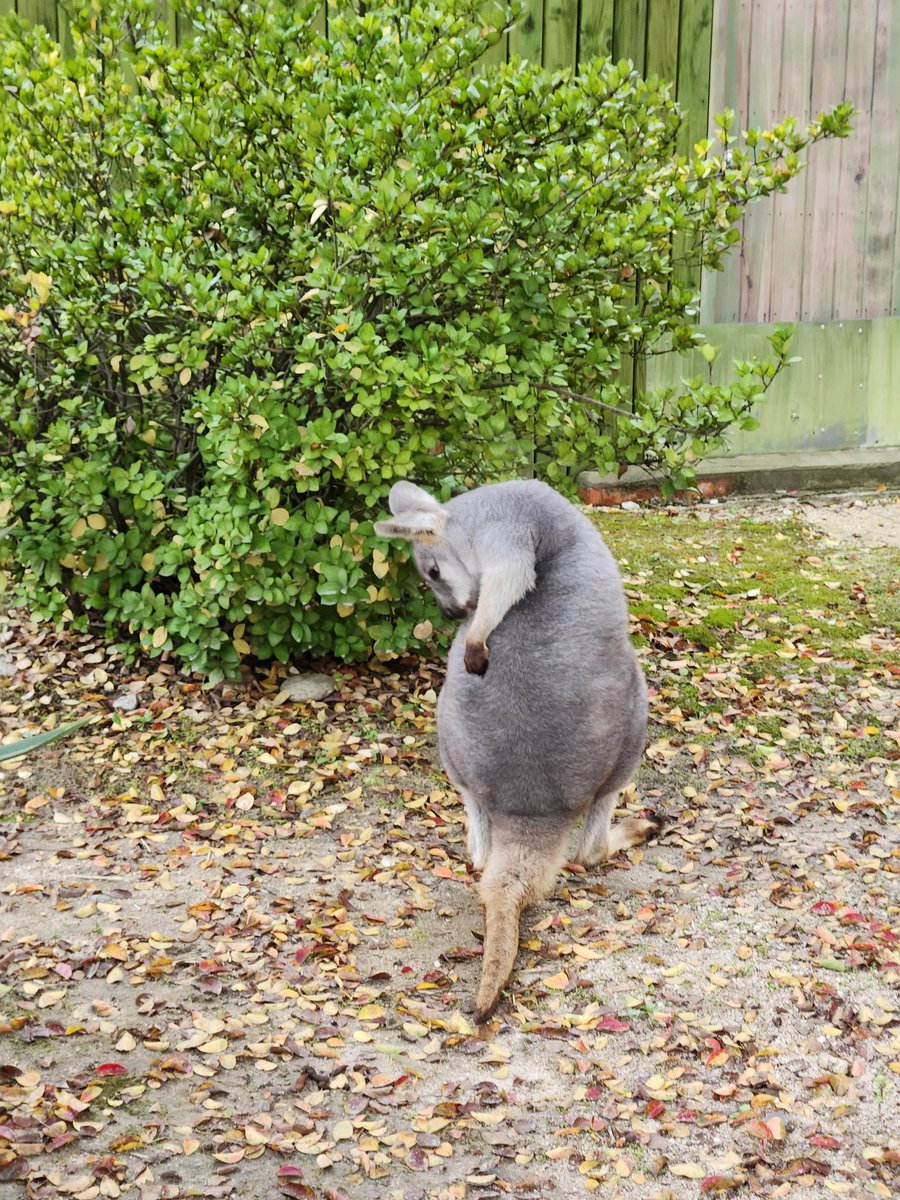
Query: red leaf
(719, 1183)
(112, 1069)
(655, 1108)
(826, 1143)
(825, 906)
(612, 1025)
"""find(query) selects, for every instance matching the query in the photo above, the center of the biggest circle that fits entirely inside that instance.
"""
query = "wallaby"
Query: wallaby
(542, 716)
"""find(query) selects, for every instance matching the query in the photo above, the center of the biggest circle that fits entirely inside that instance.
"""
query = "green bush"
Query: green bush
(247, 282)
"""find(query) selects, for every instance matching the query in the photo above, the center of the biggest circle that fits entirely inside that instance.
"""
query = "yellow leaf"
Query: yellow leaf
(148, 562)
(41, 284)
(126, 1042)
(96, 520)
(342, 1131)
(423, 630)
(241, 646)
(159, 637)
(78, 528)
(258, 420)
(184, 376)
(557, 982)
(149, 436)
(687, 1170)
(7, 207)
(190, 1145)
(302, 368)
(216, 1045)
(345, 610)
(370, 1012)
(48, 999)
(280, 516)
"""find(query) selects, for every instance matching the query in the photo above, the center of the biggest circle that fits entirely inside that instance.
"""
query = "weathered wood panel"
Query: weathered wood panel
(694, 49)
(663, 18)
(837, 397)
(595, 29)
(560, 33)
(789, 209)
(729, 85)
(630, 32)
(766, 32)
(526, 39)
(881, 288)
(40, 12)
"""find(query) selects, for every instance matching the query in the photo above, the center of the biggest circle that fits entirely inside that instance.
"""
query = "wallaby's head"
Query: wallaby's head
(440, 552)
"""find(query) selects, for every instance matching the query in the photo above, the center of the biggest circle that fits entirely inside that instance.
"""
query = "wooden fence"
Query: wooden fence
(828, 250)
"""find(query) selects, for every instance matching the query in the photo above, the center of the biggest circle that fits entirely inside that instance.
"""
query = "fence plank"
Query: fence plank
(630, 32)
(789, 210)
(662, 39)
(695, 44)
(881, 294)
(39, 12)
(884, 371)
(7, 6)
(526, 39)
(823, 402)
(852, 199)
(820, 234)
(494, 17)
(595, 31)
(560, 33)
(729, 84)
(767, 31)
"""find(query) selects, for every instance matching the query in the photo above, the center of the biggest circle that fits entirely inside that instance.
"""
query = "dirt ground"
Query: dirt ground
(848, 520)
(237, 938)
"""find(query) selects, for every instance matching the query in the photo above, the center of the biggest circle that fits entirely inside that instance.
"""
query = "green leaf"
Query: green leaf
(10, 750)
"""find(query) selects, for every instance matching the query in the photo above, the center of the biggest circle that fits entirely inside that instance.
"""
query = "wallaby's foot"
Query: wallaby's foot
(632, 831)
(476, 658)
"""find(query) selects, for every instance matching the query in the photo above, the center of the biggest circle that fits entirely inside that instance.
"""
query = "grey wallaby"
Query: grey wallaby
(542, 717)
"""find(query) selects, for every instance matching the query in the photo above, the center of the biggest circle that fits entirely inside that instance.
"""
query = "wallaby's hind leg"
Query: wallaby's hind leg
(600, 839)
(522, 866)
(478, 831)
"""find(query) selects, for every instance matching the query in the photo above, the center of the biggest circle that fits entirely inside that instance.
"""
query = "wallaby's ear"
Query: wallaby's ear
(418, 517)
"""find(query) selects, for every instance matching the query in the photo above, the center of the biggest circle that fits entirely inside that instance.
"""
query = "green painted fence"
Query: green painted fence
(827, 252)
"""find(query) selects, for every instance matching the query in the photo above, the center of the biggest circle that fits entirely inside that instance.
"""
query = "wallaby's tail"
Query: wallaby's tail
(522, 866)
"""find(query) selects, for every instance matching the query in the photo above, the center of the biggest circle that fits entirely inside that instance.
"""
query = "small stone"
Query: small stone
(125, 702)
(310, 686)
(630, 506)
(833, 1064)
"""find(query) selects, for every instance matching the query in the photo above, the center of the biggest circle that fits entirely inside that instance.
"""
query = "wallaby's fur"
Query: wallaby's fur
(542, 717)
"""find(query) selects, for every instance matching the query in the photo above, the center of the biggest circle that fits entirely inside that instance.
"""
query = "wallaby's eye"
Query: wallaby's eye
(434, 572)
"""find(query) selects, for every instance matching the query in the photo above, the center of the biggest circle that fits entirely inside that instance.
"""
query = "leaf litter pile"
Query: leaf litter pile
(238, 933)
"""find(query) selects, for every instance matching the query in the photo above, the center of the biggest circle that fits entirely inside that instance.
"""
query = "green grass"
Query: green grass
(763, 601)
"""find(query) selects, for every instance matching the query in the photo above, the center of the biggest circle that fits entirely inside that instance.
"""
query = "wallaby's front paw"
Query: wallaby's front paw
(476, 658)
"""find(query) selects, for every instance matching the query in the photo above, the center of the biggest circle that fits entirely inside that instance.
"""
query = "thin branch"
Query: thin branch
(569, 395)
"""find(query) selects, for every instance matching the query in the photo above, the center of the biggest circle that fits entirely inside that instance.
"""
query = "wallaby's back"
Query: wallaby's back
(563, 701)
